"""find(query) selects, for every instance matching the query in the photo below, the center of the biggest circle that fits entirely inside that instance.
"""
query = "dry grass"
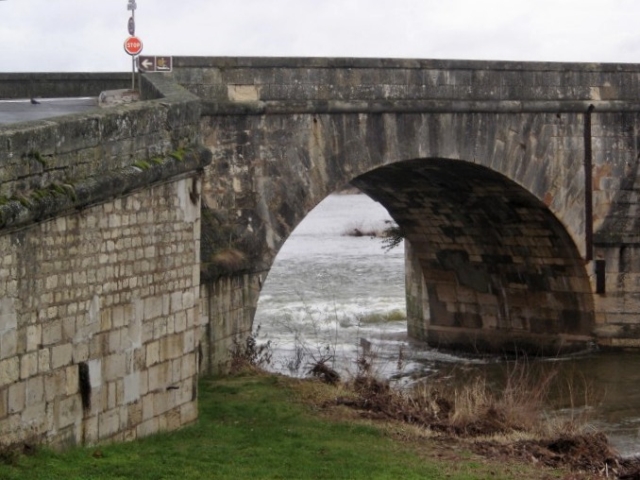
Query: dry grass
(518, 407)
(505, 423)
(473, 409)
(249, 356)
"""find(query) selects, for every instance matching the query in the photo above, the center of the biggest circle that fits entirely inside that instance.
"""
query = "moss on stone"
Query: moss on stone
(37, 156)
(178, 154)
(142, 165)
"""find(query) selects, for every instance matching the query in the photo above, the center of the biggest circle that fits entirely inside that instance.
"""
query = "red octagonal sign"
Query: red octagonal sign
(133, 45)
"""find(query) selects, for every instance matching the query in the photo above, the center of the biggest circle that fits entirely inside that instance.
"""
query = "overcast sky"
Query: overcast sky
(88, 35)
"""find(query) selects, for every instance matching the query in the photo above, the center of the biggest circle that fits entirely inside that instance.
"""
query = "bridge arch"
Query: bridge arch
(524, 185)
(489, 267)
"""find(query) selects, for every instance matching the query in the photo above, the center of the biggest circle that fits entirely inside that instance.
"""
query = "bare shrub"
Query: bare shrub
(294, 363)
(249, 355)
(10, 454)
(358, 230)
(475, 408)
(325, 373)
(518, 405)
(392, 236)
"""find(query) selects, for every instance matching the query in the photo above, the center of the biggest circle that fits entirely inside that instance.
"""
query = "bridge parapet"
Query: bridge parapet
(56, 155)
(291, 80)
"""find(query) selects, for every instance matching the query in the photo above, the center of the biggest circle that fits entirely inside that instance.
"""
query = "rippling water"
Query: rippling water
(329, 294)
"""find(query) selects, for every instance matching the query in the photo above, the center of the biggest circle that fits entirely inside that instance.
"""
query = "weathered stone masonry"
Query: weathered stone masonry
(113, 289)
(100, 272)
(285, 133)
(112, 277)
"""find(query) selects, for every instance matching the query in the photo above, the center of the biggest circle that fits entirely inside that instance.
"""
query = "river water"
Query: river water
(331, 294)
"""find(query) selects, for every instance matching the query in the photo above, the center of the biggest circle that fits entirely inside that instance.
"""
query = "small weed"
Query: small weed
(23, 200)
(41, 193)
(65, 189)
(10, 456)
(37, 156)
(393, 236)
(324, 372)
(248, 354)
(142, 165)
(178, 154)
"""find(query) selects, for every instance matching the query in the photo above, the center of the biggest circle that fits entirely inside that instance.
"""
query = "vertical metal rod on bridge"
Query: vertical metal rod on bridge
(588, 186)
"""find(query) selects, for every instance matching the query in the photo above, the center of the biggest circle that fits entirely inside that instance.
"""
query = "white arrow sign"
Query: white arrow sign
(146, 64)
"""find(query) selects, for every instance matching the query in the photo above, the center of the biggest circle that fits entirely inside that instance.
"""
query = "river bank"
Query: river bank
(270, 426)
(329, 293)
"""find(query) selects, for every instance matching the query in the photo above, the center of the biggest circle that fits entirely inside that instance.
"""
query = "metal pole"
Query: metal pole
(588, 186)
(132, 6)
(133, 57)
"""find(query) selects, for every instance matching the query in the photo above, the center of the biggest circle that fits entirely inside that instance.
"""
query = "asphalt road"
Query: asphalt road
(13, 111)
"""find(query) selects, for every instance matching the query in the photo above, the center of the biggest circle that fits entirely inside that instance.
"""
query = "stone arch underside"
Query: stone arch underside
(501, 272)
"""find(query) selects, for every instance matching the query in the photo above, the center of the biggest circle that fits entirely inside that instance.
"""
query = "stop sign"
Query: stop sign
(133, 45)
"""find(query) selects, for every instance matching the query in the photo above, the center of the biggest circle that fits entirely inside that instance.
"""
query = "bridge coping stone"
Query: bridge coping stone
(246, 85)
(396, 63)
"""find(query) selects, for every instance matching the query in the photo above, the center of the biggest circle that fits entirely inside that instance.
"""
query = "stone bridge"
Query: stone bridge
(516, 184)
(134, 240)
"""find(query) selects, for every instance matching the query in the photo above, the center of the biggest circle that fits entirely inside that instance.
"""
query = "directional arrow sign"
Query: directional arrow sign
(155, 64)
(147, 64)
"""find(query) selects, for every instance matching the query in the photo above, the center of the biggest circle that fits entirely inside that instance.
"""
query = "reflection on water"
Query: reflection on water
(329, 294)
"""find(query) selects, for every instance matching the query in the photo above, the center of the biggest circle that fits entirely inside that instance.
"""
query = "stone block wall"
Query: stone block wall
(100, 271)
(100, 320)
(417, 297)
(228, 305)
(285, 132)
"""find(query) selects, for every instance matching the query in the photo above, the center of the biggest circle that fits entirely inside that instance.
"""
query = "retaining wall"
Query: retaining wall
(100, 271)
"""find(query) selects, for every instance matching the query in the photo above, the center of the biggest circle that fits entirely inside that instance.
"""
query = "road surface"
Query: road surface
(13, 111)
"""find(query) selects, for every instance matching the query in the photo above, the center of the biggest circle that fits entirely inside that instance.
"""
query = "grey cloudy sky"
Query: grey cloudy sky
(88, 35)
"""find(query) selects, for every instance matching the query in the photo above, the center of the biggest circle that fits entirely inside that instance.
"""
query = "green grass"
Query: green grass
(252, 427)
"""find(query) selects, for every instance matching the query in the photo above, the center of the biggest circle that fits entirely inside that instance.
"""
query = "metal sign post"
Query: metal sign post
(132, 31)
